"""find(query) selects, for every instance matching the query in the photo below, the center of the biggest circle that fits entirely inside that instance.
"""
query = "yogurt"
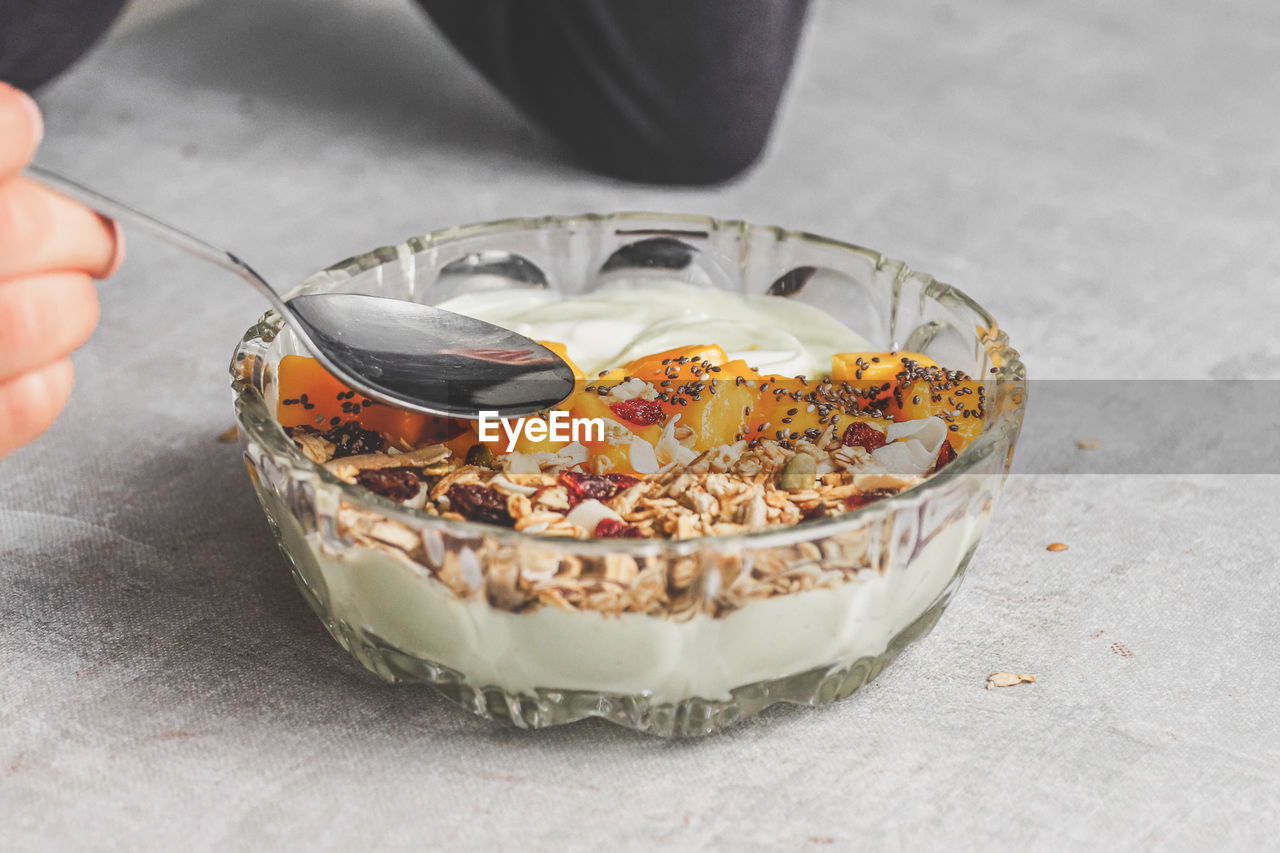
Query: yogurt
(627, 319)
(396, 600)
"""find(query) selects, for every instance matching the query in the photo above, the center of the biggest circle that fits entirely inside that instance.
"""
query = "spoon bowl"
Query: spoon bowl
(404, 354)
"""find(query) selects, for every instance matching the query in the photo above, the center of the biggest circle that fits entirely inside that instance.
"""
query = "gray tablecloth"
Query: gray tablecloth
(1104, 177)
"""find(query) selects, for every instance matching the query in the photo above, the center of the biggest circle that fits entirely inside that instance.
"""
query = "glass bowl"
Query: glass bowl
(684, 637)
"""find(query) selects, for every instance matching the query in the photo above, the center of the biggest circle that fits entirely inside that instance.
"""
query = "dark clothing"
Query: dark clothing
(668, 91)
(654, 90)
(40, 38)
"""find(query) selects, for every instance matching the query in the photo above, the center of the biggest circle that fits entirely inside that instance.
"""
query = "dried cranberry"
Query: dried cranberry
(815, 511)
(859, 434)
(610, 529)
(399, 484)
(600, 487)
(479, 503)
(861, 500)
(946, 454)
(350, 439)
(641, 412)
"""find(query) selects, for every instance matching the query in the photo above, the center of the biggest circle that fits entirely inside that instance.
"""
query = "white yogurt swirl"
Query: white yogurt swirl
(627, 319)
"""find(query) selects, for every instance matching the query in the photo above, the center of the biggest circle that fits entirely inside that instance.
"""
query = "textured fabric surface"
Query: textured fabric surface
(1102, 177)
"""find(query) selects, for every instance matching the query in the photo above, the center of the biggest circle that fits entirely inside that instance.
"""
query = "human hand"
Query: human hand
(50, 250)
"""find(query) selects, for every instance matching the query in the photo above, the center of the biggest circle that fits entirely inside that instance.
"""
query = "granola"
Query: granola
(738, 489)
(695, 446)
(523, 579)
(691, 444)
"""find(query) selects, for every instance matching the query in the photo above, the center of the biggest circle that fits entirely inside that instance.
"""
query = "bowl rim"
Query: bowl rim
(1008, 373)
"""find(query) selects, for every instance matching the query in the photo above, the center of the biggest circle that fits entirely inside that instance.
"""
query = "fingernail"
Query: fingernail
(117, 257)
(33, 109)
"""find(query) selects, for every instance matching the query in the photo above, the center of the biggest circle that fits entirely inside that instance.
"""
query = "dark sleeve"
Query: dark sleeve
(673, 91)
(41, 38)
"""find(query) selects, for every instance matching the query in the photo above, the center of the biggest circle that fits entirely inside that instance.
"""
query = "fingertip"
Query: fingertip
(78, 309)
(84, 311)
(29, 104)
(58, 379)
(44, 319)
(93, 313)
(30, 403)
(21, 129)
(117, 249)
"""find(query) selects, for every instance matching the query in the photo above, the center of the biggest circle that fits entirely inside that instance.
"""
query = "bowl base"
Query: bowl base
(693, 717)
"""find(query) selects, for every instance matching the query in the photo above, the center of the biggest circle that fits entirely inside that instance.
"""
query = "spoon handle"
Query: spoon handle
(126, 215)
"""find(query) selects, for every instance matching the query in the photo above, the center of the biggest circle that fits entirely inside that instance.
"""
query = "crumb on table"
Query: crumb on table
(1008, 679)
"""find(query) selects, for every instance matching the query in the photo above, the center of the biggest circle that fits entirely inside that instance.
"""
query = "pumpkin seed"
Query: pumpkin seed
(481, 455)
(800, 472)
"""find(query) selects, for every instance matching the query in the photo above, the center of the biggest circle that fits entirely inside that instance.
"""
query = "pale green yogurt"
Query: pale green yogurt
(627, 319)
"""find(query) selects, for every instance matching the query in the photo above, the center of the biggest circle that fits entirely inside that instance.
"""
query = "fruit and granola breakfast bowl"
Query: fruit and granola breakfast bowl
(776, 466)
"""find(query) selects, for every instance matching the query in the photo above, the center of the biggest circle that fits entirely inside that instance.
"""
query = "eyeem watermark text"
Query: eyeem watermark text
(558, 426)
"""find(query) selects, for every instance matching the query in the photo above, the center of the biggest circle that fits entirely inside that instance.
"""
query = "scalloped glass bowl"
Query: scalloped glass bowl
(421, 599)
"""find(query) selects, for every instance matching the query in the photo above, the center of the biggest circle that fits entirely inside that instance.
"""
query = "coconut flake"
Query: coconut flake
(419, 500)
(905, 458)
(506, 485)
(469, 565)
(570, 455)
(643, 458)
(522, 463)
(725, 456)
(632, 389)
(912, 449)
(668, 448)
(930, 432)
(589, 513)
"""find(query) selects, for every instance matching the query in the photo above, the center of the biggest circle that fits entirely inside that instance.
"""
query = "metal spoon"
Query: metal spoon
(401, 353)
